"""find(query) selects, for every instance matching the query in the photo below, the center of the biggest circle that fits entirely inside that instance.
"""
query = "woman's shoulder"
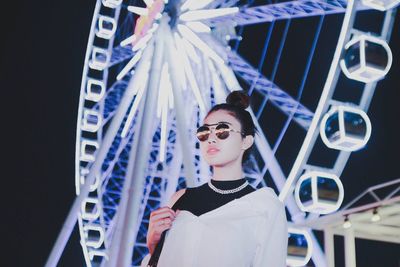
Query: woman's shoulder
(268, 192)
(177, 195)
(188, 190)
(265, 198)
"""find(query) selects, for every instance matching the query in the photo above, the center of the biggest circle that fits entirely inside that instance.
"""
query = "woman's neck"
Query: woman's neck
(230, 171)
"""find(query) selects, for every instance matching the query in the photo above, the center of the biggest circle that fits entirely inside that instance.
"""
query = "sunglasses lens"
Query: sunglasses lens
(222, 131)
(222, 134)
(222, 126)
(202, 136)
(202, 133)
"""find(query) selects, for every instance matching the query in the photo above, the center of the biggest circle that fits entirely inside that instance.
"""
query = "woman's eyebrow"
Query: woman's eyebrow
(205, 124)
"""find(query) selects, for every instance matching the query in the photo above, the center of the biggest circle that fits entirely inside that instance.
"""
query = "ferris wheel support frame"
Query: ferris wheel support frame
(129, 233)
(84, 189)
(180, 113)
(121, 212)
(136, 186)
(369, 88)
(96, 167)
(332, 78)
(312, 134)
(326, 99)
(383, 197)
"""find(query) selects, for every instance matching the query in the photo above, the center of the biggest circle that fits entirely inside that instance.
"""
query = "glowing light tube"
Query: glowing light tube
(190, 75)
(163, 138)
(207, 13)
(195, 4)
(135, 105)
(130, 65)
(198, 26)
(162, 92)
(188, 48)
(138, 10)
(148, 2)
(142, 42)
(128, 40)
(196, 41)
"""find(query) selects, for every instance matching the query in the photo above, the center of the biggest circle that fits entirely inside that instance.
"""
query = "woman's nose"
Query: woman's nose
(211, 138)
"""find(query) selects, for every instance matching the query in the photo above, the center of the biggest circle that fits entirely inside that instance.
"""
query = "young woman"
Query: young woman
(224, 222)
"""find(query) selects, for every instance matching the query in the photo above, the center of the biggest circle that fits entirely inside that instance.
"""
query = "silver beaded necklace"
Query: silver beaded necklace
(229, 191)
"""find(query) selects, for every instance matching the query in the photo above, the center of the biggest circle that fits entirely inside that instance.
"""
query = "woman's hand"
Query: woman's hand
(160, 220)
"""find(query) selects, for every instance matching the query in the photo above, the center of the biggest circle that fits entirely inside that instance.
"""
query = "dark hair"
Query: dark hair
(236, 104)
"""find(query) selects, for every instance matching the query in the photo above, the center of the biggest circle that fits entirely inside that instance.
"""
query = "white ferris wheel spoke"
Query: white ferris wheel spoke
(189, 74)
(165, 83)
(180, 110)
(148, 2)
(142, 42)
(207, 13)
(129, 40)
(130, 65)
(135, 106)
(196, 41)
(138, 10)
(188, 48)
(164, 117)
(198, 26)
(220, 91)
(194, 4)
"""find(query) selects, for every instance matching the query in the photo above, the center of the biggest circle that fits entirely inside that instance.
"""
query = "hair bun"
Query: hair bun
(238, 98)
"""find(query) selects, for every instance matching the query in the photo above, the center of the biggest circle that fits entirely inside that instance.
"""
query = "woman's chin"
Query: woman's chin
(217, 162)
(212, 161)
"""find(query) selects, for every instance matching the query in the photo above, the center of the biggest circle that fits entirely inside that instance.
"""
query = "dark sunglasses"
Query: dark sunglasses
(222, 131)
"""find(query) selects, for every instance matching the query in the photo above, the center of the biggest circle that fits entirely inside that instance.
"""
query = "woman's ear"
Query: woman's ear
(247, 142)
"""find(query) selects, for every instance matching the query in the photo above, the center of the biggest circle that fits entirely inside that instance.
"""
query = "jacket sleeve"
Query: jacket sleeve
(272, 249)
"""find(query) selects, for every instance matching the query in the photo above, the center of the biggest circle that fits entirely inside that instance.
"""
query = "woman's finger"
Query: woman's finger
(162, 210)
(164, 221)
(161, 215)
(165, 227)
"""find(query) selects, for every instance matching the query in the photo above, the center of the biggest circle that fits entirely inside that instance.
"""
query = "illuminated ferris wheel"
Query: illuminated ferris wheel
(153, 68)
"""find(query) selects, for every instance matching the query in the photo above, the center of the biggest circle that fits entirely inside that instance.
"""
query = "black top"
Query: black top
(202, 199)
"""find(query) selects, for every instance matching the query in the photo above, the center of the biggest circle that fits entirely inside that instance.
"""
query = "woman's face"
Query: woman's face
(219, 152)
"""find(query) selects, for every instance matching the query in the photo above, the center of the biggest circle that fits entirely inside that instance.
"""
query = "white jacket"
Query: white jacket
(250, 231)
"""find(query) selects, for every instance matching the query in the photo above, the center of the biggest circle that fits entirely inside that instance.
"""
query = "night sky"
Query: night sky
(43, 48)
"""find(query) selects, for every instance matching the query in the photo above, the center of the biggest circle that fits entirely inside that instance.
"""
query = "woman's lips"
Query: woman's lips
(212, 151)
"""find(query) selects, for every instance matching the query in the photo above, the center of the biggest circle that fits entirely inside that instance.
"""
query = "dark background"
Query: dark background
(42, 55)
